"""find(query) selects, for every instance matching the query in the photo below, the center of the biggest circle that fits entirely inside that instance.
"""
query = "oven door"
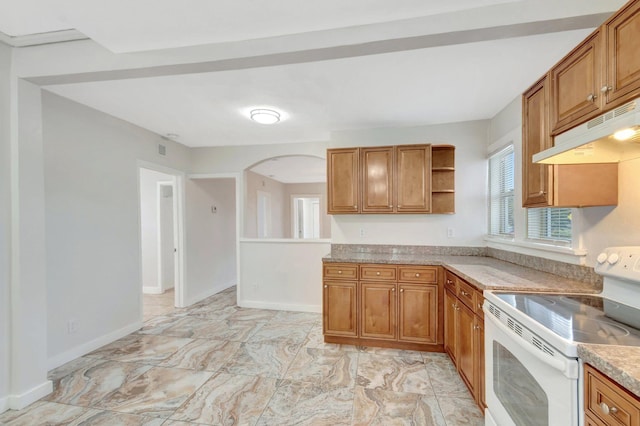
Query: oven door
(524, 385)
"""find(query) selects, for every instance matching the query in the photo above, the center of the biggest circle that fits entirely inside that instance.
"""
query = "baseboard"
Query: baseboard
(208, 293)
(18, 402)
(152, 290)
(279, 306)
(4, 404)
(92, 345)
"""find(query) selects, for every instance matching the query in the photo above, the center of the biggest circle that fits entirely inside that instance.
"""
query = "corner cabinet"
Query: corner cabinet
(464, 333)
(568, 185)
(391, 179)
(396, 306)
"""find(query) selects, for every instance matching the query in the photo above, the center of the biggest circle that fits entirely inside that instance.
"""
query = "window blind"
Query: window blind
(549, 224)
(501, 190)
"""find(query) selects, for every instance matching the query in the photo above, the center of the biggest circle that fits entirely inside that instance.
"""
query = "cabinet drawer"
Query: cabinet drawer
(450, 282)
(608, 401)
(467, 294)
(346, 271)
(418, 274)
(383, 273)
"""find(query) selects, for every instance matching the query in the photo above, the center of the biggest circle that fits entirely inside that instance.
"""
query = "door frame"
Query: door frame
(179, 230)
(161, 238)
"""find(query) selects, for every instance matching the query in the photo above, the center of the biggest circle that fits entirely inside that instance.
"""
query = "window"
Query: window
(549, 224)
(501, 188)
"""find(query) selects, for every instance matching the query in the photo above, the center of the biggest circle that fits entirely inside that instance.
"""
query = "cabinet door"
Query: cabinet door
(575, 85)
(342, 180)
(450, 326)
(339, 316)
(466, 344)
(479, 348)
(377, 179)
(622, 81)
(536, 178)
(418, 313)
(413, 178)
(377, 310)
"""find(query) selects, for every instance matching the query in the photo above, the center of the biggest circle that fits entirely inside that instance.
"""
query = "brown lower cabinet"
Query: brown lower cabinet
(397, 306)
(464, 333)
(606, 402)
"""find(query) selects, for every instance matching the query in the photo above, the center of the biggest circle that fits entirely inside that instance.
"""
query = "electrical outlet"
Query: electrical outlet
(255, 287)
(362, 233)
(72, 326)
(451, 233)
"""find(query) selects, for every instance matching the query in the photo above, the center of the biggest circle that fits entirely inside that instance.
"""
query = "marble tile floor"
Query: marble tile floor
(154, 305)
(217, 364)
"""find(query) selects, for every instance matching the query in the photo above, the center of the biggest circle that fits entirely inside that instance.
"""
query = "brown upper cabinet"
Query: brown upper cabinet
(600, 74)
(391, 179)
(573, 185)
(343, 180)
(575, 84)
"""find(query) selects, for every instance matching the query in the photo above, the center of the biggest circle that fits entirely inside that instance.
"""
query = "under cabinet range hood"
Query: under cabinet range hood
(609, 138)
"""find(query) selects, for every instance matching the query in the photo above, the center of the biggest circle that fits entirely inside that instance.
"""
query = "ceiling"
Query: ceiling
(381, 63)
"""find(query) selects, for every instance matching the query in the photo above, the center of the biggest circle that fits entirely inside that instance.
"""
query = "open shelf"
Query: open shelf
(443, 179)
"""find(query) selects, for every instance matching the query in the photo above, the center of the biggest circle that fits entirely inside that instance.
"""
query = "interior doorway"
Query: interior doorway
(159, 242)
(306, 216)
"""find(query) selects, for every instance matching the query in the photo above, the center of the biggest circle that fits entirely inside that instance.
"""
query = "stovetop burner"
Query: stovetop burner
(580, 318)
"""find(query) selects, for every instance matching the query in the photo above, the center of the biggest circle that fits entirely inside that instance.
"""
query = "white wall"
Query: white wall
(92, 223)
(149, 212)
(282, 274)
(595, 228)
(211, 237)
(470, 218)
(278, 226)
(5, 223)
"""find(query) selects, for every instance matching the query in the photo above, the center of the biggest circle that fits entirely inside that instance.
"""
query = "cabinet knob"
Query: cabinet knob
(449, 282)
(608, 410)
(378, 273)
(393, 289)
(417, 275)
(606, 89)
(592, 97)
(339, 272)
(479, 305)
(402, 290)
(326, 286)
(476, 327)
(355, 207)
(464, 293)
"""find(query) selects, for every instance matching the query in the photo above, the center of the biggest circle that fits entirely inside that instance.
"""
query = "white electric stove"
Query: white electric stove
(533, 375)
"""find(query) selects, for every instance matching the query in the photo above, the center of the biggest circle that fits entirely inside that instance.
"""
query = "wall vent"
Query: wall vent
(162, 150)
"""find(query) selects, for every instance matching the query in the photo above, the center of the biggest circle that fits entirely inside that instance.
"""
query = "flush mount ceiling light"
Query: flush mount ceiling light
(264, 116)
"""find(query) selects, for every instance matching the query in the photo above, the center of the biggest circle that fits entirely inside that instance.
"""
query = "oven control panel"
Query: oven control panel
(620, 262)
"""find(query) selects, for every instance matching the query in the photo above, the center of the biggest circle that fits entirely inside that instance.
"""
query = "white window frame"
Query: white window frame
(496, 197)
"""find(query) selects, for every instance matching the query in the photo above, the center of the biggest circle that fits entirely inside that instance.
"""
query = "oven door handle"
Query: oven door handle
(558, 364)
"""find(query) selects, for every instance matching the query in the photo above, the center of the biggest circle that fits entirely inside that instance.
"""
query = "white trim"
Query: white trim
(210, 292)
(547, 251)
(510, 137)
(174, 225)
(18, 402)
(279, 306)
(85, 348)
(4, 404)
(42, 38)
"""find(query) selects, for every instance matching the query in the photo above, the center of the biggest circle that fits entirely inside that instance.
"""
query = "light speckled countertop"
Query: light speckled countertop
(621, 363)
(618, 362)
(486, 273)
